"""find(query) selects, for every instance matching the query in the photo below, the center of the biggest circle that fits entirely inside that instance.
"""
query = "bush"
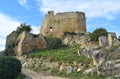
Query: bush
(54, 42)
(23, 27)
(9, 67)
(97, 33)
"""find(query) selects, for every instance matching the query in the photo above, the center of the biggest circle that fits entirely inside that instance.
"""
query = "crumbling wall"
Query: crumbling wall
(27, 42)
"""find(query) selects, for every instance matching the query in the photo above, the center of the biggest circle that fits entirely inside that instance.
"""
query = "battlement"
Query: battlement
(65, 14)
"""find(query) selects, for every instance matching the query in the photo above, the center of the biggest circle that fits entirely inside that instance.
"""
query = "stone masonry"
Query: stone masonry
(27, 42)
(56, 25)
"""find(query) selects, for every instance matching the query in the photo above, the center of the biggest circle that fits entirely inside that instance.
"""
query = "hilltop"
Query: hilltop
(65, 48)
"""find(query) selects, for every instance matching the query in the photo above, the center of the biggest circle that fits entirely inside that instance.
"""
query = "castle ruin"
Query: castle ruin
(57, 25)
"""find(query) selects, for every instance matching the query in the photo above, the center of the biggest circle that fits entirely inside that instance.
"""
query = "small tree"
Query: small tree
(97, 33)
(9, 67)
(23, 27)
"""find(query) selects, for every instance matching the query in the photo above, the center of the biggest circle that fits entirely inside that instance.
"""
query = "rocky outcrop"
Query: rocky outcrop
(56, 25)
(112, 39)
(98, 57)
(110, 68)
(27, 42)
(104, 64)
(78, 39)
(85, 51)
(103, 41)
(42, 63)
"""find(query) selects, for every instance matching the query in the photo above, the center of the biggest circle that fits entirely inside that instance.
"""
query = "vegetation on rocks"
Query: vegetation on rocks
(23, 27)
(10, 47)
(62, 54)
(97, 33)
(9, 67)
(54, 42)
(76, 75)
(21, 76)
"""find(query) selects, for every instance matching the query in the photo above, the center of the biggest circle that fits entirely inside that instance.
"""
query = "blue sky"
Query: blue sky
(99, 13)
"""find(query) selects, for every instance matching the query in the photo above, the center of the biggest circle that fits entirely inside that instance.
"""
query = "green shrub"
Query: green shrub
(54, 42)
(9, 67)
(23, 27)
(21, 76)
(97, 33)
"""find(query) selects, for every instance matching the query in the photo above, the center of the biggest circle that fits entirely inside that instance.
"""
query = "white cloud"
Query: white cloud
(23, 3)
(92, 8)
(35, 29)
(7, 25)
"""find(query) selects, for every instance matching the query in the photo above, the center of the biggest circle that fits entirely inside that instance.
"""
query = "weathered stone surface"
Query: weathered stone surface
(72, 40)
(116, 42)
(103, 41)
(85, 51)
(91, 71)
(11, 38)
(62, 67)
(98, 57)
(56, 25)
(110, 68)
(112, 39)
(27, 42)
(69, 69)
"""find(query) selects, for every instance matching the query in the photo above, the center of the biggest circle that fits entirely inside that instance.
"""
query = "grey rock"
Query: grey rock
(85, 51)
(98, 57)
(103, 41)
(69, 69)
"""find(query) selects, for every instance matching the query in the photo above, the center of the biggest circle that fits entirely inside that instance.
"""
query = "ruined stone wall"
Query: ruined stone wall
(28, 42)
(56, 25)
(10, 39)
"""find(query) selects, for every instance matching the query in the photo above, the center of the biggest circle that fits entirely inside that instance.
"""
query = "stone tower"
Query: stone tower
(57, 25)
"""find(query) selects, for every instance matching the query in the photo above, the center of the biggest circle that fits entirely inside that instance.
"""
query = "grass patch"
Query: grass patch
(75, 75)
(21, 76)
(62, 54)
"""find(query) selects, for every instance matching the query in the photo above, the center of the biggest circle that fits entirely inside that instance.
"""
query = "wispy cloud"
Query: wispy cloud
(92, 8)
(35, 29)
(7, 25)
(23, 3)
(99, 13)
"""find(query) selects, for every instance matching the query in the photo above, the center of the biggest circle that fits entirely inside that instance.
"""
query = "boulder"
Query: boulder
(85, 51)
(112, 39)
(103, 41)
(91, 71)
(72, 40)
(62, 67)
(98, 57)
(69, 69)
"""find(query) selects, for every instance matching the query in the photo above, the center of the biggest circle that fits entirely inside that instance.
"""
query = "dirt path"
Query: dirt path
(35, 75)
